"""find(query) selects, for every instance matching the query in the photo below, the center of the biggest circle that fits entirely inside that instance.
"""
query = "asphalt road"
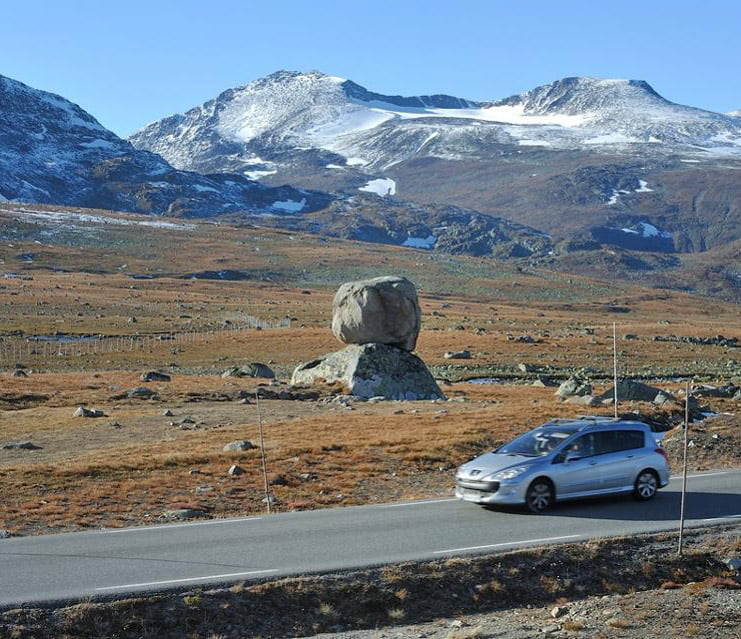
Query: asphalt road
(70, 566)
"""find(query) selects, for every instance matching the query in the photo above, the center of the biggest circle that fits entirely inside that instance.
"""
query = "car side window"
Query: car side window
(582, 446)
(629, 439)
(614, 441)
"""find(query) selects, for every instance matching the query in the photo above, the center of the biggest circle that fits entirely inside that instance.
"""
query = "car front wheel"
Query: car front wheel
(539, 496)
(646, 486)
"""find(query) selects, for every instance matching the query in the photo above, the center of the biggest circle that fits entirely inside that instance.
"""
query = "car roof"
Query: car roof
(593, 422)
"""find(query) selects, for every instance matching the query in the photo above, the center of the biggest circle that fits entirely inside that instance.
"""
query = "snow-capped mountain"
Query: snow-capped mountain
(52, 151)
(735, 114)
(251, 128)
(562, 157)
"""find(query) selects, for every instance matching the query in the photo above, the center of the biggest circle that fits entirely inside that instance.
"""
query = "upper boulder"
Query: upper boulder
(381, 310)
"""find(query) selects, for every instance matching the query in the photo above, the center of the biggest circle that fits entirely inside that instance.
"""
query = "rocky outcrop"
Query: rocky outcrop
(373, 370)
(383, 310)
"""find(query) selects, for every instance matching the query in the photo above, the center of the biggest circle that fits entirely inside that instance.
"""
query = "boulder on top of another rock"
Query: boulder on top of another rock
(382, 310)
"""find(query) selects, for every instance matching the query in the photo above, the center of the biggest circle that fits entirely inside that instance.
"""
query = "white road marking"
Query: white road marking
(417, 503)
(180, 581)
(723, 518)
(725, 472)
(170, 526)
(509, 543)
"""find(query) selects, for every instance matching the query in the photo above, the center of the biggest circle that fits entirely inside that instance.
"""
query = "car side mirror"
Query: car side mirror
(560, 458)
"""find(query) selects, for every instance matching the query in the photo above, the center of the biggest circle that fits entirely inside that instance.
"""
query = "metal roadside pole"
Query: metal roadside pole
(684, 467)
(262, 452)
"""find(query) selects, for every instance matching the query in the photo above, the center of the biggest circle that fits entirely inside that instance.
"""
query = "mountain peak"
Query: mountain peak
(578, 95)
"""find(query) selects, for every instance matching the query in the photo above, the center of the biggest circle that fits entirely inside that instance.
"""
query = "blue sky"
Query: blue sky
(131, 62)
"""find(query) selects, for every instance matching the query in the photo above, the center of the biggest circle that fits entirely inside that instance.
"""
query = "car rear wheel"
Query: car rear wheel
(646, 485)
(539, 496)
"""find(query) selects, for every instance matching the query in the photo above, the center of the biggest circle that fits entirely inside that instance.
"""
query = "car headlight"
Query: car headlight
(510, 473)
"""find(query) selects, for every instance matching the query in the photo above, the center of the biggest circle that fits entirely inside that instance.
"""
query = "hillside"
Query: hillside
(52, 151)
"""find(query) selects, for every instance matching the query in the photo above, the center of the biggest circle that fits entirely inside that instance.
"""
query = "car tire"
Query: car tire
(540, 496)
(646, 486)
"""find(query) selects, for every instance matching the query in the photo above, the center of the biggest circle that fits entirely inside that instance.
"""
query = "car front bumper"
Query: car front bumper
(504, 493)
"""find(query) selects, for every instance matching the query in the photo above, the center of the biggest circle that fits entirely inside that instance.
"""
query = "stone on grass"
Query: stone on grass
(631, 391)
(19, 373)
(236, 470)
(88, 412)
(584, 400)
(154, 376)
(255, 369)
(141, 392)
(457, 355)
(240, 444)
(4, 534)
(734, 563)
(372, 370)
(382, 310)
(167, 413)
(21, 446)
(573, 386)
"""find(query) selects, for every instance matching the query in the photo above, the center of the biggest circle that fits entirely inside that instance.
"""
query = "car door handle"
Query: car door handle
(593, 463)
(629, 456)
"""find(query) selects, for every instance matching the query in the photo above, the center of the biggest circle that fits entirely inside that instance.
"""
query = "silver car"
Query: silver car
(567, 459)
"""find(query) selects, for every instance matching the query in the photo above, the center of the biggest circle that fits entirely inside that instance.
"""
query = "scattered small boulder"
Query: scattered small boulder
(734, 563)
(154, 376)
(19, 373)
(167, 413)
(4, 534)
(527, 368)
(584, 400)
(457, 355)
(21, 446)
(235, 470)
(632, 391)
(142, 392)
(573, 386)
(88, 412)
(254, 369)
(240, 444)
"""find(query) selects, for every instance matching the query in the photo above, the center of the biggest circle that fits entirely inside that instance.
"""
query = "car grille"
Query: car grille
(481, 486)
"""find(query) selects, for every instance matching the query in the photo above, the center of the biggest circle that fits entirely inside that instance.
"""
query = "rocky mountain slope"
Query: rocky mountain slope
(568, 157)
(52, 151)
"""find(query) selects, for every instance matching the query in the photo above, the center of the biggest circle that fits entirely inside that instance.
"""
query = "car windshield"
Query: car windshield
(536, 443)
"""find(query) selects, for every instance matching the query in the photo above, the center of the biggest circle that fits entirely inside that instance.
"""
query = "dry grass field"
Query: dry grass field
(76, 278)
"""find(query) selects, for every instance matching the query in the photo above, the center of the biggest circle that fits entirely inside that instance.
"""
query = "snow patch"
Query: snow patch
(99, 144)
(256, 175)
(334, 166)
(67, 217)
(533, 143)
(611, 138)
(380, 186)
(204, 189)
(643, 187)
(420, 242)
(615, 195)
(356, 161)
(289, 206)
(648, 230)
